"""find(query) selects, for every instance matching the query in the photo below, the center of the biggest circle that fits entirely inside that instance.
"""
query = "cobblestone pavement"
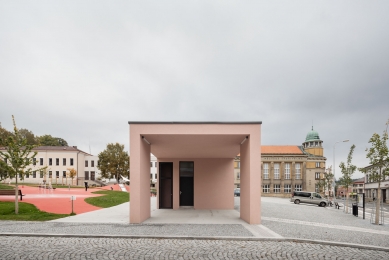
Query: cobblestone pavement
(193, 230)
(119, 248)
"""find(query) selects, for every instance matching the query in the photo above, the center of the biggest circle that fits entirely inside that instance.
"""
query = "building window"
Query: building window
(277, 188)
(287, 188)
(57, 161)
(317, 164)
(151, 175)
(34, 161)
(151, 164)
(41, 174)
(155, 164)
(266, 188)
(266, 171)
(287, 171)
(6, 160)
(63, 174)
(64, 161)
(86, 175)
(92, 163)
(50, 161)
(71, 161)
(34, 174)
(86, 163)
(27, 175)
(92, 176)
(50, 174)
(40, 161)
(238, 175)
(156, 176)
(316, 188)
(57, 174)
(276, 171)
(317, 175)
(297, 187)
(298, 171)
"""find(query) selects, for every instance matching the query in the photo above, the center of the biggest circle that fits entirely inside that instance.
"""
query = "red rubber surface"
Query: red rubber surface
(58, 200)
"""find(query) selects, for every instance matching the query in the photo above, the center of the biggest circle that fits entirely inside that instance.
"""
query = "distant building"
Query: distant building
(359, 185)
(288, 168)
(58, 160)
(371, 186)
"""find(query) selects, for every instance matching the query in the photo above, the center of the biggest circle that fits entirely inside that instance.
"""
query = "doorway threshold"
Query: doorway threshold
(186, 207)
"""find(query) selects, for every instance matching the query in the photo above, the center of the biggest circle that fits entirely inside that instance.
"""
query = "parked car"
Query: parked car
(308, 197)
(237, 192)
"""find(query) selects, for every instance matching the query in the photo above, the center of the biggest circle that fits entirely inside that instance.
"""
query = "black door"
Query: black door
(384, 196)
(186, 184)
(165, 185)
(186, 191)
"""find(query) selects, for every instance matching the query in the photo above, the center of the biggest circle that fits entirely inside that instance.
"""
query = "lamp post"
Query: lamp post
(333, 183)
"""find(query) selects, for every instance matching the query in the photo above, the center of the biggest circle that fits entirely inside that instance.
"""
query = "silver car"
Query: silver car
(308, 197)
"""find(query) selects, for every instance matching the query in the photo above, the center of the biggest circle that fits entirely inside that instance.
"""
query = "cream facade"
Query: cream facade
(58, 160)
(289, 168)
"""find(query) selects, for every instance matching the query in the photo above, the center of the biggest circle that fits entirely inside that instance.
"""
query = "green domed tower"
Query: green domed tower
(313, 144)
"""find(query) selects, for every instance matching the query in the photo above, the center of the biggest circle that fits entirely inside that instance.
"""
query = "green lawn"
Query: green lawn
(27, 212)
(6, 187)
(111, 198)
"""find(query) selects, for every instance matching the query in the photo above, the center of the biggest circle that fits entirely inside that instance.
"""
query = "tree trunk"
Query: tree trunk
(377, 207)
(16, 196)
(347, 200)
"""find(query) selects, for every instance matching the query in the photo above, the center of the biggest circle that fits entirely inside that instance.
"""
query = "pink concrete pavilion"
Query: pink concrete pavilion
(196, 166)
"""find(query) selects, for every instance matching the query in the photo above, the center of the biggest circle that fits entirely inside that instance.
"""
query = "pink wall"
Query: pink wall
(212, 147)
(213, 183)
(140, 179)
(250, 180)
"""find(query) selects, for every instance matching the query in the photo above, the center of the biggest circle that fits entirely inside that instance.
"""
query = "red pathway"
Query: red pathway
(58, 200)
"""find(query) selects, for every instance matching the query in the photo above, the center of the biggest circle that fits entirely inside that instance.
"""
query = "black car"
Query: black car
(237, 192)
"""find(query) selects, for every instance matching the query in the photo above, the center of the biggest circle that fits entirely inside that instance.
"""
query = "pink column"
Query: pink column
(140, 178)
(250, 180)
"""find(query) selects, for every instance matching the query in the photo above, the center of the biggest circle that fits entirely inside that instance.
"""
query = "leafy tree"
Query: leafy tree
(114, 161)
(4, 134)
(29, 136)
(72, 173)
(48, 140)
(18, 155)
(326, 182)
(347, 171)
(378, 154)
(3, 170)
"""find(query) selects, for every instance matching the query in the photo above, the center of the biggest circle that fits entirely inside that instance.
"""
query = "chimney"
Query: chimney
(75, 147)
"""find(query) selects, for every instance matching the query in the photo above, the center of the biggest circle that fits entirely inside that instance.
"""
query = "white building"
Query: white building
(58, 160)
(153, 170)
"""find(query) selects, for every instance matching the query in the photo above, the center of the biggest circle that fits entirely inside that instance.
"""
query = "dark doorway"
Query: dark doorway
(384, 196)
(165, 185)
(186, 184)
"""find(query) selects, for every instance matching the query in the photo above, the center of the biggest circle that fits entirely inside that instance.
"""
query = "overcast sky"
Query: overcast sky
(80, 70)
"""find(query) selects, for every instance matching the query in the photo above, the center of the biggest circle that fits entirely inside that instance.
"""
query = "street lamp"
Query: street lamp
(333, 183)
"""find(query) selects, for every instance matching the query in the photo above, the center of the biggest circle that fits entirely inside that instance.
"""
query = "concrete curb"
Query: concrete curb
(284, 239)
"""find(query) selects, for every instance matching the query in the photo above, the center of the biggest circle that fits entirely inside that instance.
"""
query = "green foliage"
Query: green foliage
(114, 161)
(29, 136)
(111, 198)
(18, 155)
(348, 170)
(48, 140)
(326, 182)
(27, 212)
(6, 187)
(378, 155)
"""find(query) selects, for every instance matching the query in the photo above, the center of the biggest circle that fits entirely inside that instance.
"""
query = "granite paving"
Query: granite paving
(119, 248)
